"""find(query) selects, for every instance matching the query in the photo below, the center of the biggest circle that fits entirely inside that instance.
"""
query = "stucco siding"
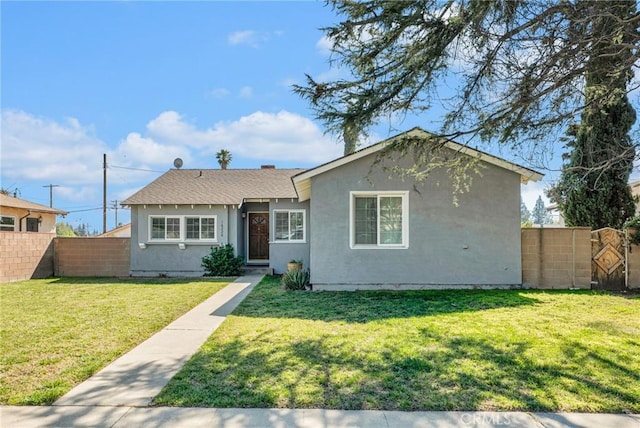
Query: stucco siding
(280, 253)
(166, 257)
(474, 244)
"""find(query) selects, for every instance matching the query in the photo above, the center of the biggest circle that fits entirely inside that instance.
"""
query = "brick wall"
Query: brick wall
(556, 257)
(25, 255)
(92, 256)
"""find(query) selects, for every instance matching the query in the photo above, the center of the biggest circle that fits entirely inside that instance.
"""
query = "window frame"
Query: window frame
(288, 212)
(182, 223)
(404, 195)
(3, 227)
(199, 238)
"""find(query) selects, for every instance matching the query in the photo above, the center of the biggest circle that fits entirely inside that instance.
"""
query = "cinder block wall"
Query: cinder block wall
(91, 256)
(25, 255)
(556, 257)
(633, 266)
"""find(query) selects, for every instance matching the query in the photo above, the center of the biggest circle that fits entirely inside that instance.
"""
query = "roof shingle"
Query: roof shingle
(216, 186)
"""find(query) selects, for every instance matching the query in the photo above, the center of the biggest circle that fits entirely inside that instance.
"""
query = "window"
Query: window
(201, 228)
(289, 226)
(165, 228)
(379, 219)
(7, 223)
(195, 228)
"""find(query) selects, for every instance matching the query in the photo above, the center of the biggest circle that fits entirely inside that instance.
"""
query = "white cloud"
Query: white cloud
(247, 37)
(36, 148)
(324, 45)
(218, 93)
(138, 150)
(246, 92)
(261, 136)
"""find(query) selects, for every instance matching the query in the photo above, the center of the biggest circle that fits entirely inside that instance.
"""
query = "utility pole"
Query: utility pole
(115, 207)
(51, 186)
(104, 193)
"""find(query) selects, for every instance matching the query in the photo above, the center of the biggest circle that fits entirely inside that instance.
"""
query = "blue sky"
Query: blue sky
(146, 82)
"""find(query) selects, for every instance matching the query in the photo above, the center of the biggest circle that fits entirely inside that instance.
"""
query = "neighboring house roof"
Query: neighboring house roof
(216, 186)
(302, 181)
(120, 231)
(9, 201)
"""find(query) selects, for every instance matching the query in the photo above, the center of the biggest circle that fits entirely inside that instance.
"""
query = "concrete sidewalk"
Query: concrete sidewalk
(139, 375)
(127, 417)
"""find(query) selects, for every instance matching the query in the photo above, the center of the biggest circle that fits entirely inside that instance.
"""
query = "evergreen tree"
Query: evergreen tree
(525, 215)
(519, 70)
(539, 212)
(593, 189)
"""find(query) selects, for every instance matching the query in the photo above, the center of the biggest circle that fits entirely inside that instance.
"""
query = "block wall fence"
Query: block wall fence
(91, 256)
(551, 257)
(561, 258)
(26, 255)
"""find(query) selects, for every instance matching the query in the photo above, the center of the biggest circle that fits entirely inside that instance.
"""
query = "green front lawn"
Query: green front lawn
(58, 332)
(428, 350)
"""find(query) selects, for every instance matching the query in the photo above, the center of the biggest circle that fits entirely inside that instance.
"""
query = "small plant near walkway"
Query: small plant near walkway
(58, 332)
(222, 262)
(529, 350)
(295, 280)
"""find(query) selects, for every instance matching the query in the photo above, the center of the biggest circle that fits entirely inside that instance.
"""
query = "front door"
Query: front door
(258, 236)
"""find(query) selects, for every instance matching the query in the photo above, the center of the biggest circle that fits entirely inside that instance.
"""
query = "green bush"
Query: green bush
(295, 280)
(222, 262)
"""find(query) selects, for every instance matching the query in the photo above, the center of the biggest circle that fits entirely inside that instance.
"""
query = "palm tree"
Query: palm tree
(224, 158)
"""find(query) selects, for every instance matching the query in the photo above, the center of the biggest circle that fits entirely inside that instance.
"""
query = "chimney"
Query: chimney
(267, 167)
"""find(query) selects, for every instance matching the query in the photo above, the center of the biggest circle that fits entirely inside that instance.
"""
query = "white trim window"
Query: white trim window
(201, 228)
(7, 223)
(164, 228)
(289, 225)
(379, 219)
(181, 228)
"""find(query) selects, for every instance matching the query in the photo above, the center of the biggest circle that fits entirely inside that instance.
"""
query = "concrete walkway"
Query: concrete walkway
(139, 375)
(119, 395)
(127, 417)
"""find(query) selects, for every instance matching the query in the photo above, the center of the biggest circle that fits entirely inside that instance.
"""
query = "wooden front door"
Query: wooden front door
(258, 236)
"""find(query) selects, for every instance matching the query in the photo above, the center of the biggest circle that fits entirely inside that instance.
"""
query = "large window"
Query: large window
(7, 224)
(171, 228)
(289, 225)
(379, 219)
(201, 228)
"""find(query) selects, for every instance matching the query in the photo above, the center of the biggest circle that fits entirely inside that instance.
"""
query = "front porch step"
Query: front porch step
(257, 270)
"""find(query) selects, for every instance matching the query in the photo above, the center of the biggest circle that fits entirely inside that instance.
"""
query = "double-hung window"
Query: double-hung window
(289, 225)
(379, 219)
(7, 224)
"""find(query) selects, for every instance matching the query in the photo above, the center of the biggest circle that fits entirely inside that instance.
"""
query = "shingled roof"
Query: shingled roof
(9, 201)
(216, 186)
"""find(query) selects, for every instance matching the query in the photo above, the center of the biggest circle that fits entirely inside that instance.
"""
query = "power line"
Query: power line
(134, 169)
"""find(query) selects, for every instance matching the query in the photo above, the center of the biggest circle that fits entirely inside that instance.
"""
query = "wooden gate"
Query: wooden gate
(608, 259)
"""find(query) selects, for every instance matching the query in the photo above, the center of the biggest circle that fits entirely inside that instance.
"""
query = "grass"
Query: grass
(58, 332)
(427, 350)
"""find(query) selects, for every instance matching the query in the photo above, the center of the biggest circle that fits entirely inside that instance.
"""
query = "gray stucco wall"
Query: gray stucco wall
(280, 253)
(166, 258)
(474, 244)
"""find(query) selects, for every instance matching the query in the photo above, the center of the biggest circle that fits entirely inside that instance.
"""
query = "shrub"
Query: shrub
(222, 262)
(295, 280)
